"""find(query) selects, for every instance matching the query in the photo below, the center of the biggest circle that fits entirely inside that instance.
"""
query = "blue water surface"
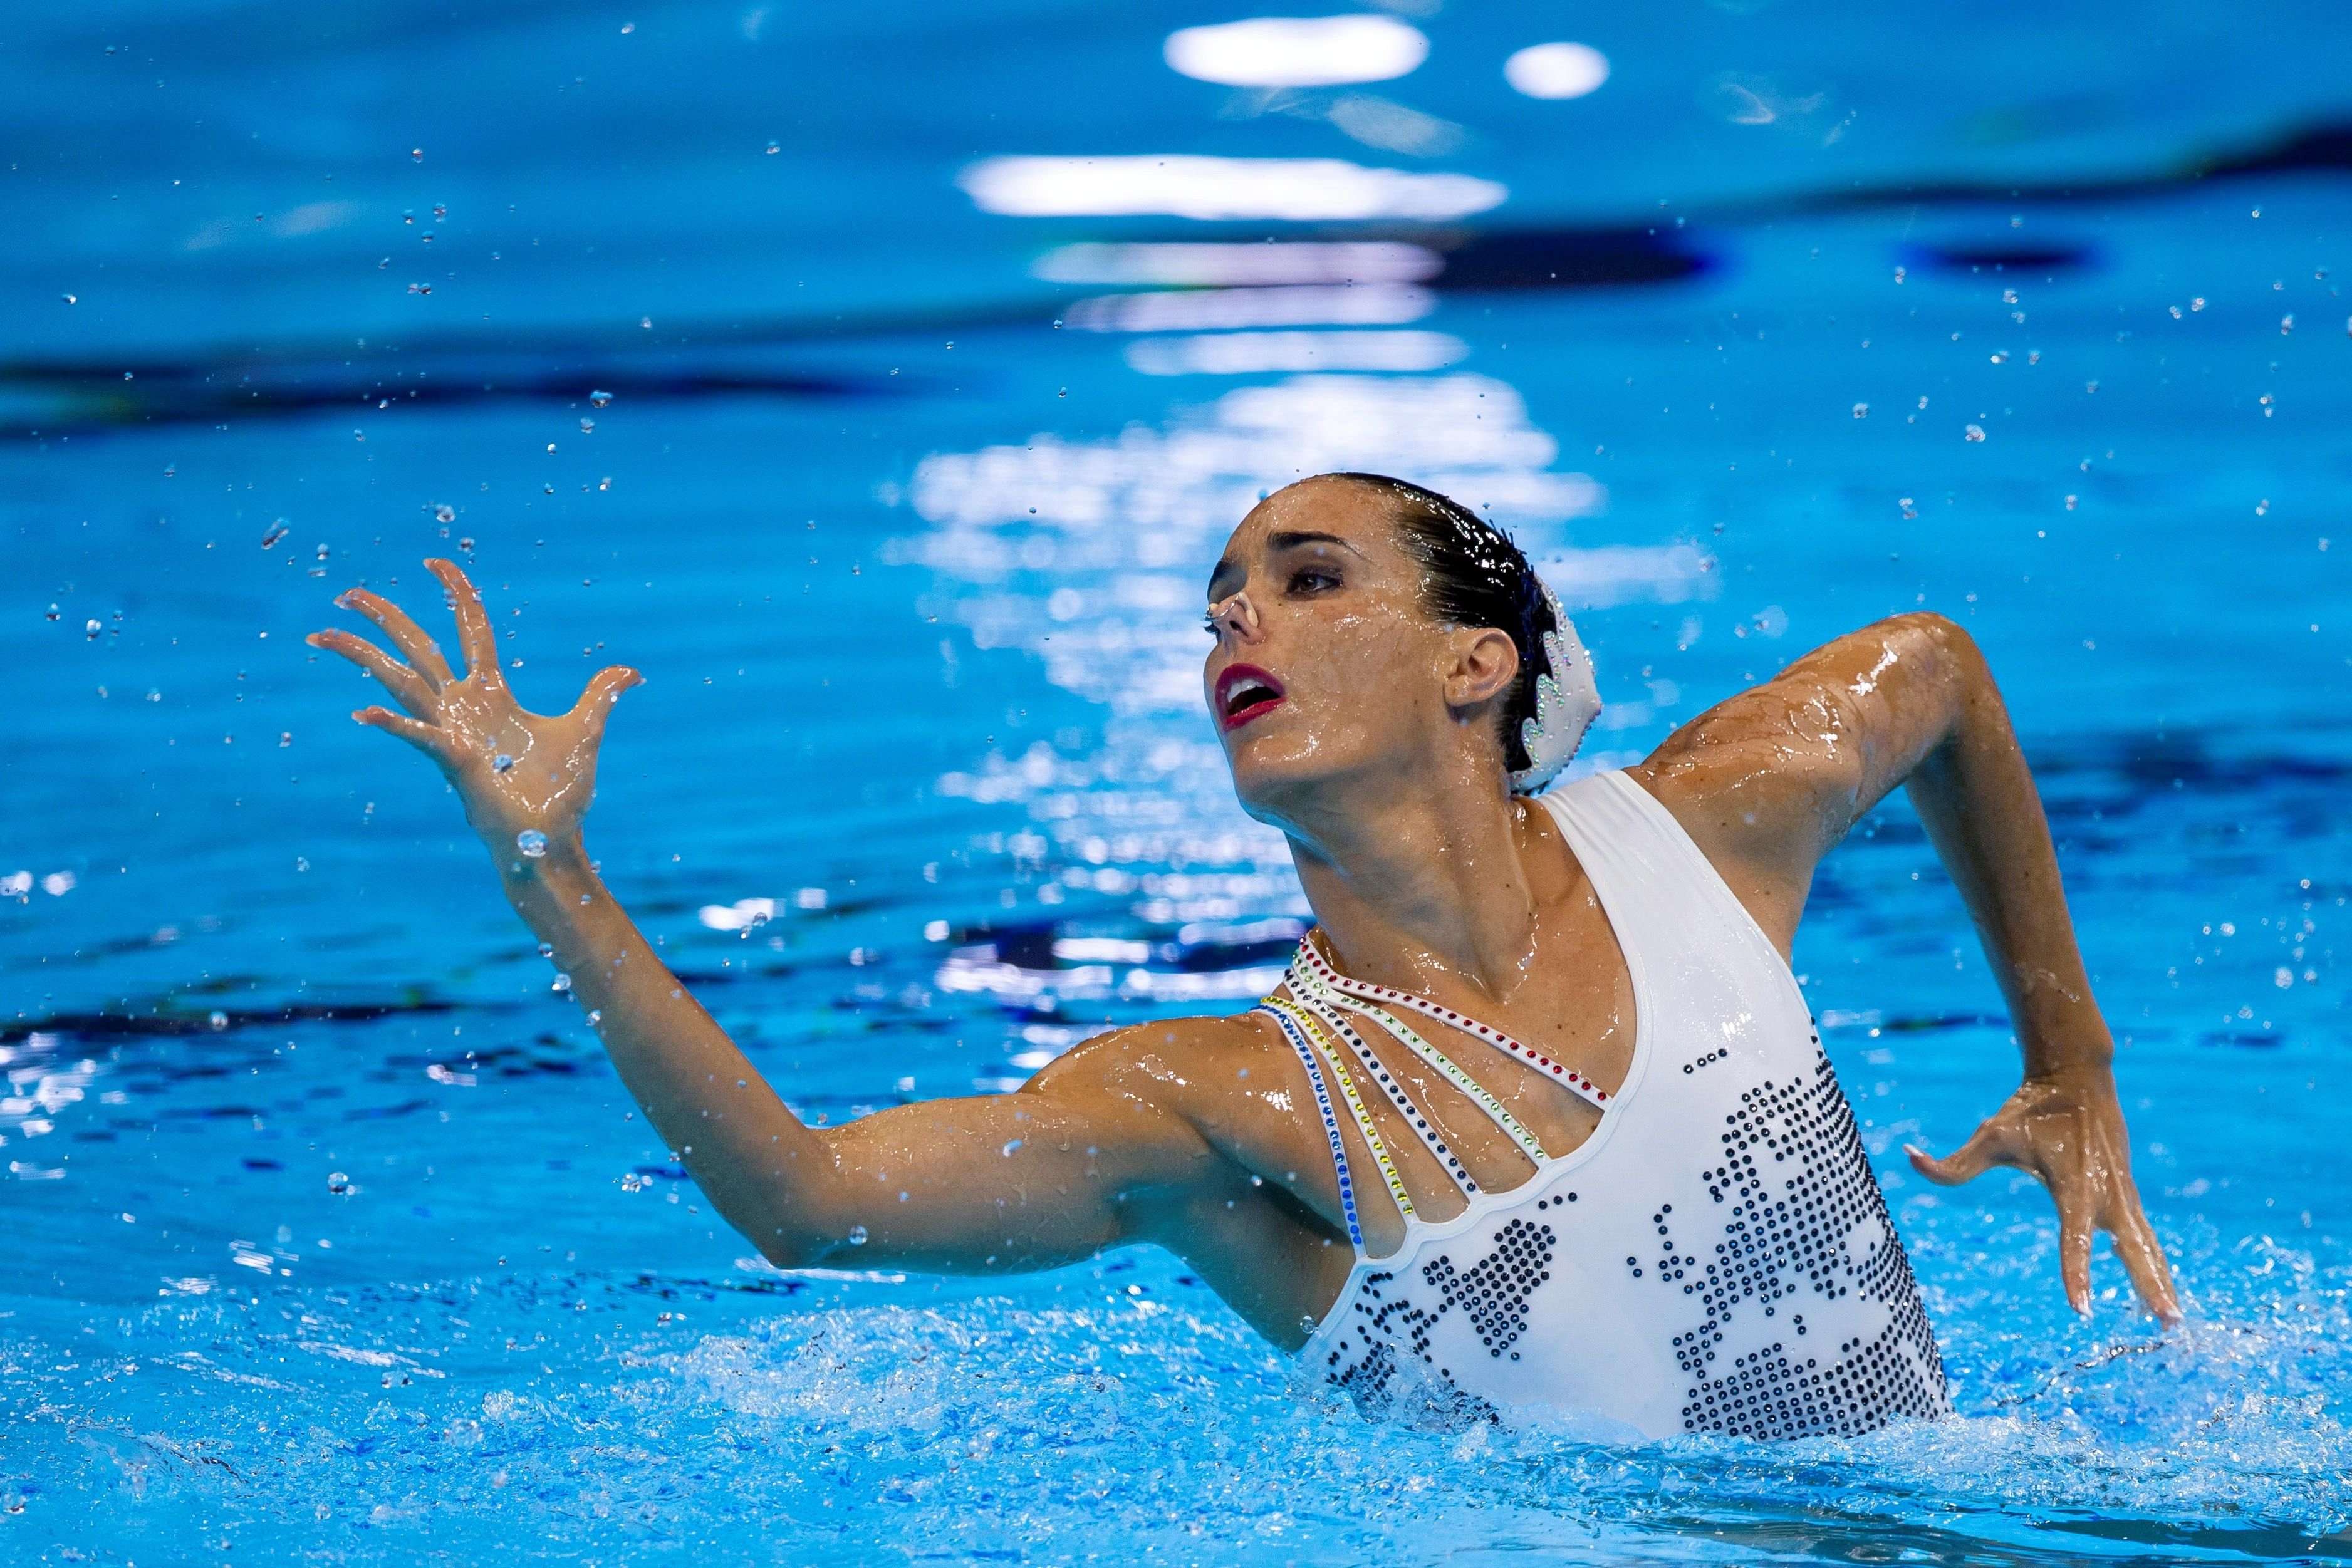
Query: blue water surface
(331, 1235)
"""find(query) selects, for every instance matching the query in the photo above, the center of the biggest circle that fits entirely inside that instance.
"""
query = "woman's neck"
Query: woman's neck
(1414, 884)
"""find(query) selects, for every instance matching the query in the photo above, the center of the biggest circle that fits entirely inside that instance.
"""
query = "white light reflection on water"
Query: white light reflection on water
(1208, 309)
(1189, 185)
(1197, 263)
(1298, 51)
(1556, 70)
(1262, 353)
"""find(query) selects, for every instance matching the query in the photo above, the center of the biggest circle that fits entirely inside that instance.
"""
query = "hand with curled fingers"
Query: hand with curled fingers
(2066, 1129)
(518, 772)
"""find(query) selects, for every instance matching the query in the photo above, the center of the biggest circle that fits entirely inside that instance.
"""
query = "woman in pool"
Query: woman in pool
(1537, 1116)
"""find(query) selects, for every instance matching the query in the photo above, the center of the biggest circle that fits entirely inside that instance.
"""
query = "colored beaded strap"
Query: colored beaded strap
(1356, 1106)
(1321, 968)
(1330, 1118)
(1323, 999)
(1336, 1023)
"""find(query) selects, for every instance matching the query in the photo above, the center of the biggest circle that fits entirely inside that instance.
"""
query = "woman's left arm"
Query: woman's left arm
(1769, 781)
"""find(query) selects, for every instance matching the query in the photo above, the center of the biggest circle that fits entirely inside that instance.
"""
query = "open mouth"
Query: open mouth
(1244, 692)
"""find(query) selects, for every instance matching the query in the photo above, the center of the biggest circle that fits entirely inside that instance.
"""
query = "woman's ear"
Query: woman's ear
(1486, 663)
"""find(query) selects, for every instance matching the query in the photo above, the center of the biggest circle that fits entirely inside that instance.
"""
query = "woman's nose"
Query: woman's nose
(1237, 617)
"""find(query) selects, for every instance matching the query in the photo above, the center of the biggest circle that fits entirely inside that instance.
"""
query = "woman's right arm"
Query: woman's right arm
(994, 1182)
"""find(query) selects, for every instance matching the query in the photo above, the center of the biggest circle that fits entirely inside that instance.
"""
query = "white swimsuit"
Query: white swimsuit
(1716, 1257)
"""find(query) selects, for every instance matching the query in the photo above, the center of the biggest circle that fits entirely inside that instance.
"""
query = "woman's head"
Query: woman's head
(1368, 627)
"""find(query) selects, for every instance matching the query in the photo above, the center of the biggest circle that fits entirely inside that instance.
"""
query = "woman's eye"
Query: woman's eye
(1313, 580)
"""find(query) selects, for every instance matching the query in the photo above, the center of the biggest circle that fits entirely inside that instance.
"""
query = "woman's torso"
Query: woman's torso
(1716, 1256)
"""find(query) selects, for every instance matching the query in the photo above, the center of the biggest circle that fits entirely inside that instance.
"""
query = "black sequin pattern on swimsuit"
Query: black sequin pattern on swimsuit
(1799, 1217)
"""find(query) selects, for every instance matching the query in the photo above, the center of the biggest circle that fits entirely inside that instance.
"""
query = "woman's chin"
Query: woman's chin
(1272, 774)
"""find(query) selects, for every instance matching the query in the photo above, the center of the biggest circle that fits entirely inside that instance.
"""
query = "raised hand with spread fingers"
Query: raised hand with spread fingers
(519, 773)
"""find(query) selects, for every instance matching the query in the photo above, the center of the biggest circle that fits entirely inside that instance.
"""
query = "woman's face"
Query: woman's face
(1325, 667)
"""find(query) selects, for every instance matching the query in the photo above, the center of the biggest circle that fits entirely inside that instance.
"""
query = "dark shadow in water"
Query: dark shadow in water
(91, 1027)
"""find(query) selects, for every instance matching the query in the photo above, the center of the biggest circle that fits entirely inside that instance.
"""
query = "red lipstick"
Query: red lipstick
(1244, 692)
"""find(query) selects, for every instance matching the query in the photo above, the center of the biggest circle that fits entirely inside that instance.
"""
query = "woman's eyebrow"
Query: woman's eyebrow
(1292, 540)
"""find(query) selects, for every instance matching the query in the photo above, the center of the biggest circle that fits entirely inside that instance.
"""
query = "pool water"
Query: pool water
(331, 1234)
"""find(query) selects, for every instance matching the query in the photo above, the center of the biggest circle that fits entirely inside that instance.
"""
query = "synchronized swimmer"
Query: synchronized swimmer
(1537, 1116)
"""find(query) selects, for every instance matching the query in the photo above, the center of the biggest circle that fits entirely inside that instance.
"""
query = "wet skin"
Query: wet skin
(1369, 734)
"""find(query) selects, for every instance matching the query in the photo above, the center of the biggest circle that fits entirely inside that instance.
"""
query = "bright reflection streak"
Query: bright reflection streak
(1186, 185)
(1205, 310)
(1298, 51)
(1556, 70)
(1195, 264)
(1257, 353)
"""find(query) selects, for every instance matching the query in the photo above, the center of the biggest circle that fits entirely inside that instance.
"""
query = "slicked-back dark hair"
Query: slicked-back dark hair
(1475, 577)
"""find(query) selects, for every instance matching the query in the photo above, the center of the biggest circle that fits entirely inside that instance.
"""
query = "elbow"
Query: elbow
(1936, 639)
(1932, 628)
(795, 1246)
(790, 1235)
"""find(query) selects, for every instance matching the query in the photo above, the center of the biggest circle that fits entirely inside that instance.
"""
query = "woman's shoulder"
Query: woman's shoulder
(1166, 1061)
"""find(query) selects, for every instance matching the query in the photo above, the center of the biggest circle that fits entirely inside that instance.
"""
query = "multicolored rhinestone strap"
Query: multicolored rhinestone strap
(1324, 1000)
(1275, 1011)
(1321, 968)
(1356, 1106)
(1336, 1023)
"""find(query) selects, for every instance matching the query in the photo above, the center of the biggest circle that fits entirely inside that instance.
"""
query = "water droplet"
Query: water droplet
(1974, 433)
(547, 949)
(774, 149)
(1861, 411)
(417, 154)
(1007, 1150)
(277, 530)
(562, 984)
(531, 843)
(218, 1021)
(73, 298)
(857, 1236)
(52, 612)
(587, 427)
(445, 513)
(93, 629)
(595, 1017)
(599, 399)
(502, 763)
